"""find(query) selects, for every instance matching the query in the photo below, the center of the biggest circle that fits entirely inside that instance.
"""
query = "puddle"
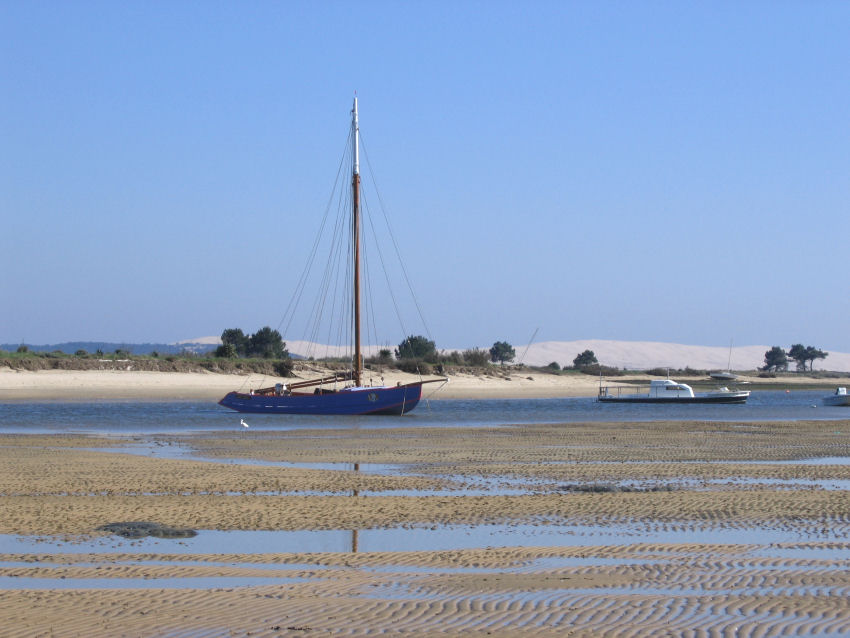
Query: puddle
(214, 582)
(818, 484)
(178, 451)
(543, 564)
(840, 552)
(553, 596)
(538, 534)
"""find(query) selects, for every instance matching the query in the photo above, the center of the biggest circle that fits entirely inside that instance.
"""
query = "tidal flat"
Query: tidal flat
(695, 528)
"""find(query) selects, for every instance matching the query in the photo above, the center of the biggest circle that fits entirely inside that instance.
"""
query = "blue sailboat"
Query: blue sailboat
(342, 393)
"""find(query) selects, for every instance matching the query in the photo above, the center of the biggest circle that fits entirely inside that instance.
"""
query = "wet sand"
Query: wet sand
(682, 478)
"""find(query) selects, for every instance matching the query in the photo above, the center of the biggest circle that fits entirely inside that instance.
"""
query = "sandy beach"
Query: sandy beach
(124, 384)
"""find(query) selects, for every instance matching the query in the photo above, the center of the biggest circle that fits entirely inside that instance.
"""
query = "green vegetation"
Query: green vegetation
(502, 352)
(681, 372)
(122, 359)
(263, 344)
(417, 348)
(775, 360)
(474, 357)
(586, 358)
(805, 354)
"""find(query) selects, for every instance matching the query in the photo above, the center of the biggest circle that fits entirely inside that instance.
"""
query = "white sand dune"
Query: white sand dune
(642, 355)
(634, 355)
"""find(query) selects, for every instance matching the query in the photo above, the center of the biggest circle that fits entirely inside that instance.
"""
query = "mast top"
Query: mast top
(355, 127)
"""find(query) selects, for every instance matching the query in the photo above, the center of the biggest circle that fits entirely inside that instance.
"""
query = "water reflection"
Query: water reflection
(441, 538)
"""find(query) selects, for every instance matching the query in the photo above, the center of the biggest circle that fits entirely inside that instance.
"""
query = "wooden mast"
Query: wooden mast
(355, 208)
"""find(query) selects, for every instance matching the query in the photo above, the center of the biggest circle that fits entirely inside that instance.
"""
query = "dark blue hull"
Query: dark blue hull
(384, 400)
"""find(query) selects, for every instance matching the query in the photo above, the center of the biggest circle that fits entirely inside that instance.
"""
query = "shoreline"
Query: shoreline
(122, 385)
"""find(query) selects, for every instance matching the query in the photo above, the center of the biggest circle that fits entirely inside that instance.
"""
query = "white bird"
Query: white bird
(244, 425)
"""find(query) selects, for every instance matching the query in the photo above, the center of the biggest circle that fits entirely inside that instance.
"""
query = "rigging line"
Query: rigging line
(371, 307)
(371, 323)
(319, 301)
(392, 236)
(331, 274)
(315, 317)
(302, 282)
(344, 329)
(342, 223)
(522, 358)
(367, 297)
(333, 310)
(387, 277)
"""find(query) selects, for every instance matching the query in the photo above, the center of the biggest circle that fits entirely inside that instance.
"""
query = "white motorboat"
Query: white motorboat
(839, 397)
(669, 391)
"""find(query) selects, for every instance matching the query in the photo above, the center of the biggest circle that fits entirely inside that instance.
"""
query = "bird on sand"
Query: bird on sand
(243, 424)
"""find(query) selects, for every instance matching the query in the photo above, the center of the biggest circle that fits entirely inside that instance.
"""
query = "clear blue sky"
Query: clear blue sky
(660, 171)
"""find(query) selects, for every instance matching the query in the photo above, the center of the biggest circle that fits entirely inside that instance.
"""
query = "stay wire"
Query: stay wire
(395, 243)
(300, 287)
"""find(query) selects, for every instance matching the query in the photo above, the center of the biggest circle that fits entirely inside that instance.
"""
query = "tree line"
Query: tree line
(776, 359)
(263, 344)
(268, 344)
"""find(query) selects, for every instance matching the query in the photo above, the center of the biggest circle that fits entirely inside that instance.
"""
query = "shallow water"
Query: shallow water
(189, 582)
(437, 538)
(122, 417)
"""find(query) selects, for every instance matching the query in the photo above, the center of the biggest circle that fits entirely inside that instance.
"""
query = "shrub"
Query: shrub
(686, 372)
(476, 357)
(584, 359)
(597, 370)
(283, 368)
(414, 367)
(554, 366)
(417, 347)
(690, 372)
(384, 358)
(454, 358)
(226, 351)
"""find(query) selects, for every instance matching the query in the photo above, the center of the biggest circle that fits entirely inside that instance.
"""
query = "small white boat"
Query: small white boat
(840, 397)
(669, 391)
(725, 375)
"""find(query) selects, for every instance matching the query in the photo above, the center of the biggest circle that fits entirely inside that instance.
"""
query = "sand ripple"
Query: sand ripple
(721, 477)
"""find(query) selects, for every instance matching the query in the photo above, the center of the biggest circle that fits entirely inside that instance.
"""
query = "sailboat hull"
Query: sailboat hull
(352, 401)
